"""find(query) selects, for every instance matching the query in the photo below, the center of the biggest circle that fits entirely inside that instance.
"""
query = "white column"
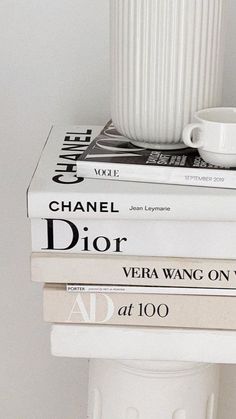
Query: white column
(152, 390)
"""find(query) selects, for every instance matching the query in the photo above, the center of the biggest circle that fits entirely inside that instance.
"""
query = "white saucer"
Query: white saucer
(160, 146)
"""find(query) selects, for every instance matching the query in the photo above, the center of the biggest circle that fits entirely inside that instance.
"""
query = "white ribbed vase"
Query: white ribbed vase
(166, 63)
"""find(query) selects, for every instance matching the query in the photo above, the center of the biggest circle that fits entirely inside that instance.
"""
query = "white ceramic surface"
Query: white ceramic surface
(166, 63)
(143, 343)
(214, 134)
(153, 390)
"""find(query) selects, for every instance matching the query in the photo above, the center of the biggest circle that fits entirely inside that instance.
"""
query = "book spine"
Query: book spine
(132, 289)
(140, 206)
(157, 174)
(216, 240)
(203, 312)
(180, 273)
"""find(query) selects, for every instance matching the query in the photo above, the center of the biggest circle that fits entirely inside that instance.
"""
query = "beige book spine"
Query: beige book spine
(203, 312)
(131, 270)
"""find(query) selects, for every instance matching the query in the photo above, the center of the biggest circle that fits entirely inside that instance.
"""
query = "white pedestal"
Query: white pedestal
(167, 375)
(117, 342)
(152, 390)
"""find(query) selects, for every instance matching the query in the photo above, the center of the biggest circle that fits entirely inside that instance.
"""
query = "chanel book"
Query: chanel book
(187, 311)
(57, 192)
(112, 156)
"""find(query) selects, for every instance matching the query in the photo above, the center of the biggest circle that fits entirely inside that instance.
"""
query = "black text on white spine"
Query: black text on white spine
(82, 238)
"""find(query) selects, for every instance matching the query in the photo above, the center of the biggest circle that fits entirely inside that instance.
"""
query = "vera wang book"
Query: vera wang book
(133, 271)
(56, 192)
(190, 239)
(190, 311)
(112, 156)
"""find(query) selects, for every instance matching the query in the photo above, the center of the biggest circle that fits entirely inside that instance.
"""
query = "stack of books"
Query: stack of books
(120, 236)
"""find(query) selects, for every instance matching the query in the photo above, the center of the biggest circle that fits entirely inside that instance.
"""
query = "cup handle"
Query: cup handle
(187, 136)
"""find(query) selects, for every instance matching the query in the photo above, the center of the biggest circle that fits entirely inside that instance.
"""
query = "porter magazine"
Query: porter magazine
(56, 191)
(112, 156)
(132, 289)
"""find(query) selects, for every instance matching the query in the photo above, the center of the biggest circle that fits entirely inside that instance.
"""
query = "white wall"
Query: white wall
(54, 68)
(229, 98)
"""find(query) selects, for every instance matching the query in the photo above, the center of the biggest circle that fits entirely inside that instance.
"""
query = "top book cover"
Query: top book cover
(56, 191)
(114, 157)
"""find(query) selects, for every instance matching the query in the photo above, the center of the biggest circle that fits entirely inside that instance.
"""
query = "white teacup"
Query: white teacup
(214, 134)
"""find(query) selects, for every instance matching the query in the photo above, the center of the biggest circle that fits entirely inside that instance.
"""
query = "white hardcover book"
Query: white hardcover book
(56, 191)
(186, 239)
(134, 271)
(114, 157)
(132, 289)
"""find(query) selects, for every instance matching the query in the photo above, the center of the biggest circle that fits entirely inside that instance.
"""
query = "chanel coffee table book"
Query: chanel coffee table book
(56, 191)
(112, 156)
